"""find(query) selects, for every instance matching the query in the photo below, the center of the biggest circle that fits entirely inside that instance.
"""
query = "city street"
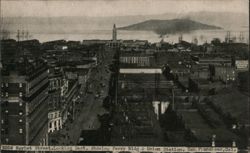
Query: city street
(89, 106)
(114, 75)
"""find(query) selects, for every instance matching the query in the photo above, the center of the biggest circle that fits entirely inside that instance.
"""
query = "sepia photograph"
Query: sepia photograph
(124, 76)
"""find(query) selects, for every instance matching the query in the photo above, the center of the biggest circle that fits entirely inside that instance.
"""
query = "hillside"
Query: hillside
(169, 26)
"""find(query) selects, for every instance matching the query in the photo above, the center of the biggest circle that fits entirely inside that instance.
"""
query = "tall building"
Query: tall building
(24, 104)
(0, 61)
(0, 83)
(69, 98)
(114, 33)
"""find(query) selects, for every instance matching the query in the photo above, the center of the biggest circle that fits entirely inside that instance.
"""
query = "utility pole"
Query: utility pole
(18, 35)
(180, 38)
(0, 89)
(23, 35)
(241, 37)
(156, 85)
(27, 35)
(227, 39)
(1, 68)
(173, 105)
(117, 75)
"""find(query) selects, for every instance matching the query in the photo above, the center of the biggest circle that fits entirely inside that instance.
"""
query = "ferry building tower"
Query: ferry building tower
(114, 33)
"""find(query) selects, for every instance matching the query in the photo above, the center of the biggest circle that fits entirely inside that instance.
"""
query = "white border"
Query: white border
(155, 149)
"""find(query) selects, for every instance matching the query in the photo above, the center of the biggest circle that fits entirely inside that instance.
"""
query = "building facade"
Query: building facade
(225, 73)
(57, 82)
(69, 99)
(114, 34)
(138, 60)
(55, 120)
(24, 103)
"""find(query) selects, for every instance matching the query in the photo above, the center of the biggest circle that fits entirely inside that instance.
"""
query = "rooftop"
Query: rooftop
(234, 102)
(24, 66)
(141, 70)
(202, 130)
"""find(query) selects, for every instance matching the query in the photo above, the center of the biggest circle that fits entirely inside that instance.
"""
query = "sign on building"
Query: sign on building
(242, 64)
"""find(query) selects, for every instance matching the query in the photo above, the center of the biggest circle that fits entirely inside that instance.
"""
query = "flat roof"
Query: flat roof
(199, 127)
(140, 70)
(235, 103)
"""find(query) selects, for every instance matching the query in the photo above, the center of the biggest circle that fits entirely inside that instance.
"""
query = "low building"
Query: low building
(214, 61)
(225, 73)
(136, 60)
(134, 43)
(94, 42)
(56, 56)
(86, 64)
(171, 58)
(173, 50)
(8, 50)
(198, 128)
(140, 70)
(198, 85)
(82, 74)
(73, 45)
(200, 71)
(180, 70)
(242, 65)
(52, 45)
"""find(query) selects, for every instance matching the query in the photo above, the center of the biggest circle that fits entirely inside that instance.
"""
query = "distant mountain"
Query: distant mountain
(169, 26)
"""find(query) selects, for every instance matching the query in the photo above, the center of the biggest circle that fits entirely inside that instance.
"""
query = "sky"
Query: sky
(97, 8)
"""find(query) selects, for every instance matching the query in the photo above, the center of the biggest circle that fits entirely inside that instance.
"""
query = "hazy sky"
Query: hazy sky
(46, 8)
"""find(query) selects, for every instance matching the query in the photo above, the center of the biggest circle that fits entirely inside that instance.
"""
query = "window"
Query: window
(20, 120)
(51, 116)
(6, 84)
(20, 94)
(20, 104)
(6, 111)
(20, 130)
(2, 84)
(2, 121)
(7, 140)
(20, 85)
(6, 94)
(20, 113)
